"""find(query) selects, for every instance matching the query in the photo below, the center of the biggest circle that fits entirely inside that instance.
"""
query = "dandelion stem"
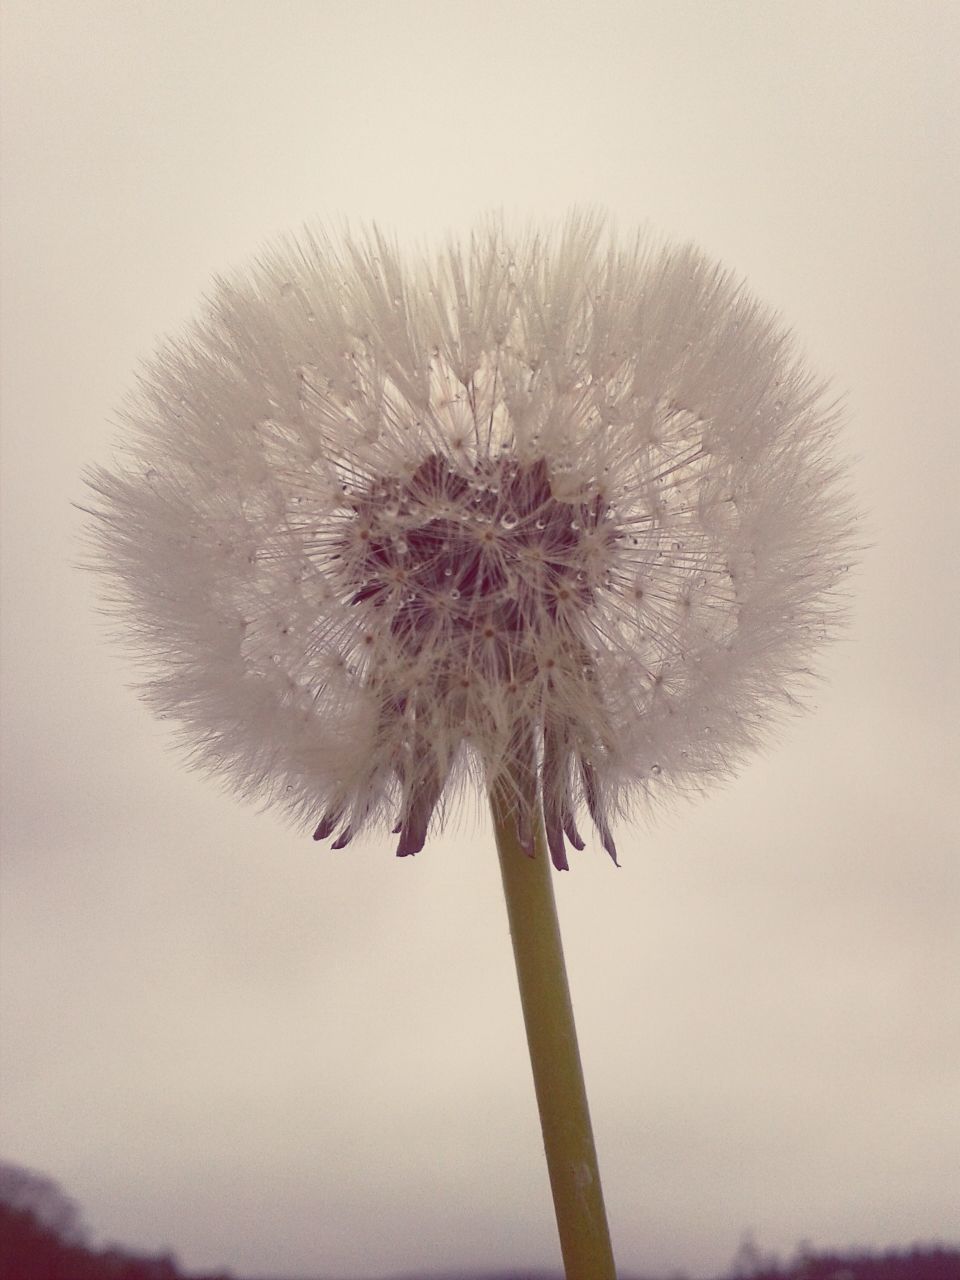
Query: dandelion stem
(554, 1055)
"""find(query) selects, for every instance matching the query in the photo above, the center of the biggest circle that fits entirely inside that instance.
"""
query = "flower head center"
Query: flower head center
(489, 550)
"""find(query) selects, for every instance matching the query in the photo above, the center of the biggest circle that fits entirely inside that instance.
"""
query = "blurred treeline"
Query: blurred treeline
(921, 1262)
(31, 1251)
(42, 1238)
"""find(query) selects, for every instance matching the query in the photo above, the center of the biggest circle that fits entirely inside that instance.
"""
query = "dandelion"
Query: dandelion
(549, 515)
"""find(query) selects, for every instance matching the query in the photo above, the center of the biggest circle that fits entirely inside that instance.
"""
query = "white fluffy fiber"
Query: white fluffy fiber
(658, 394)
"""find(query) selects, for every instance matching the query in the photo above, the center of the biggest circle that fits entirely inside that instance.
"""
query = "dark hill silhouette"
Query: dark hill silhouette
(42, 1238)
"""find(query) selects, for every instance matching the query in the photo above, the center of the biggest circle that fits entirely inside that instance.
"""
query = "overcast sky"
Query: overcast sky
(224, 1039)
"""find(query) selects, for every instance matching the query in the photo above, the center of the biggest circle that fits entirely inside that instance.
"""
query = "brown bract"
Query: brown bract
(487, 559)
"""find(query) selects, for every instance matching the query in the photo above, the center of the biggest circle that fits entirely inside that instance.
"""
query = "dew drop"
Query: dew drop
(655, 770)
(454, 594)
(509, 520)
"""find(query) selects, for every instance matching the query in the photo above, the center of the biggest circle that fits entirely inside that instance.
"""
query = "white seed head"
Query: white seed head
(546, 512)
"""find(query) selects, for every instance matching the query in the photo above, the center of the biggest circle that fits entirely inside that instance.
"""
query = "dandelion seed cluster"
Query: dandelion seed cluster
(547, 513)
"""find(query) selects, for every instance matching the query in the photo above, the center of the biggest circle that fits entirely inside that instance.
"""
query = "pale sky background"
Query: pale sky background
(226, 1040)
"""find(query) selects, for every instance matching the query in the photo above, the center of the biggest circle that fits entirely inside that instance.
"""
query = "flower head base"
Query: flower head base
(557, 514)
(481, 583)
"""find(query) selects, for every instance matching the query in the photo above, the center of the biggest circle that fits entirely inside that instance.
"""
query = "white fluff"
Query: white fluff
(346, 437)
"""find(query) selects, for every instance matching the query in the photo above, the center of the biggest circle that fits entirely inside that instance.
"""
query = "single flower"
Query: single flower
(549, 513)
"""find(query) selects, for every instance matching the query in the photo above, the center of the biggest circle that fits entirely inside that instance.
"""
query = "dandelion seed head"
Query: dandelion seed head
(546, 510)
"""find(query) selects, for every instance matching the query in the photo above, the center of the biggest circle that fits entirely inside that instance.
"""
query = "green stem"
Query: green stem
(554, 1055)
